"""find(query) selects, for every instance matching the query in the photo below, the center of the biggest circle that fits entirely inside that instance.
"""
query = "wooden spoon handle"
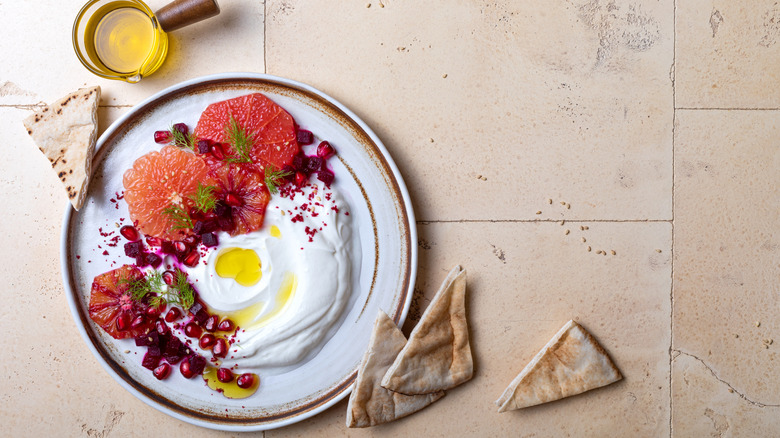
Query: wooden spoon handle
(180, 13)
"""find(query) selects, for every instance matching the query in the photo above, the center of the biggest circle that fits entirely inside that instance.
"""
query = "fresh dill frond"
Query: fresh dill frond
(186, 295)
(140, 288)
(178, 218)
(181, 139)
(204, 198)
(274, 178)
(241, 140)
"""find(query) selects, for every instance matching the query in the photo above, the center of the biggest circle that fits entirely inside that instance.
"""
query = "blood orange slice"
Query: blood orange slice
(241, 187)
(110, 301)
(159, 181)
(274, 141)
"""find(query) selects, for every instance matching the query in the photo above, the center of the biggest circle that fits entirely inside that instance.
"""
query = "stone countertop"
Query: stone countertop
(656, 123)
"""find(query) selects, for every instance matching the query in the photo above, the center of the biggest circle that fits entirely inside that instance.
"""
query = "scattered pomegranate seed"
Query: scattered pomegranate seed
(193, 330)
(218, 151)
(186, 369)
(246, 380)
(192, 259)
(207, 341)
(162, 371)
(138, 321)
(220, 348)
(204, 146)
(162, 137)
(300, 179)
(123, 322)
(226, 325)
(173, 314)
(155, 311)
(211, 323)
(169, 278)
(181, 247)
(162, 328)
(153, 241)
(130, 233)
(224, 375)
(191, 240)
(325, 150)
(232, 200)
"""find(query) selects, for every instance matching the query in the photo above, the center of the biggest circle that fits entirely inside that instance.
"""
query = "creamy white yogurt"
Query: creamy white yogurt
(305, 283)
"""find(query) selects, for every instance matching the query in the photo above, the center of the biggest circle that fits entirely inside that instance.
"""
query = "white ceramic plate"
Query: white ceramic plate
(380, 209)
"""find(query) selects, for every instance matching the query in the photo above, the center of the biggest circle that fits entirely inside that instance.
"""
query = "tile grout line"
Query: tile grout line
(671, 285)
(552, 221)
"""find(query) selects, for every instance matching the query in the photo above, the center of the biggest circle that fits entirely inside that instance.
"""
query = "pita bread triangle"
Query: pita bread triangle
(65, 132)
(571, 363)
(438, 355)
(369, 403)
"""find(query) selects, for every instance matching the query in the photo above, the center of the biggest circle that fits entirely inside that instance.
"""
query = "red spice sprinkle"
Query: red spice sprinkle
(105, 252)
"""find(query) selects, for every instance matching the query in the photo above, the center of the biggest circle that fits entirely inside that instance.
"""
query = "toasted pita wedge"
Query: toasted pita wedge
(438, 355)
(369, 403)
(571, 363)
(65, 132)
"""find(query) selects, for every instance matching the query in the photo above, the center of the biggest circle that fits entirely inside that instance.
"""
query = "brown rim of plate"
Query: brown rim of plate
(255, 84)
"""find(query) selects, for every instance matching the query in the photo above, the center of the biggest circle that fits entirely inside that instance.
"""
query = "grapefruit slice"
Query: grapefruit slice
(159, 181)
(241, 187)
(110, 300)
(273, 129)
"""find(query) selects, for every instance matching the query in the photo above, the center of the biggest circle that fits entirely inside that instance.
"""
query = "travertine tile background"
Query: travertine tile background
(489, 110)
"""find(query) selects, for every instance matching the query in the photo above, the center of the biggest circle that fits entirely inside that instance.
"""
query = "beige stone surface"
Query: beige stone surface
(727, 263)
(493, 111)
(514, 306)
(522, 100)
(727, 54)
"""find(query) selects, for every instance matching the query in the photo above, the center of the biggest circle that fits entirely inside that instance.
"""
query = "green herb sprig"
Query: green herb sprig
(275, 178)
(241, 140)
(182, 140)
(179, 294)
(178, 218)
(204, 198)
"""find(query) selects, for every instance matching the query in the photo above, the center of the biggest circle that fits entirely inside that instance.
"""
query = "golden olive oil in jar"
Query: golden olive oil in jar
(123, 40)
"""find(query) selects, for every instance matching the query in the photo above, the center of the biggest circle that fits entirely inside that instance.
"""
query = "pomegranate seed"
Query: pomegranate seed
(211, 323)
(169, 278)
(233, 200)
(304, 137)
(218, 151)
(226, 325)
(300, 179)
(224, 375)
(207, 341)
(192, 241)
(162, 371)
(123, 322)
(246, 380)
(181, 247)
(325, 150)
(130, 233)
(193, 330)
(162, 137)
(192, 259)
(162, 328)
(138, 321)
(153, 241)
(173, 314)
(186, 369)
(155, 311)
(220, 348)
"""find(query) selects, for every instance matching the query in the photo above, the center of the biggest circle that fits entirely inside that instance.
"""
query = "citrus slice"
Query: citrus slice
(271, 127)
(110, 301)
(241, 187)
(161, 181)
